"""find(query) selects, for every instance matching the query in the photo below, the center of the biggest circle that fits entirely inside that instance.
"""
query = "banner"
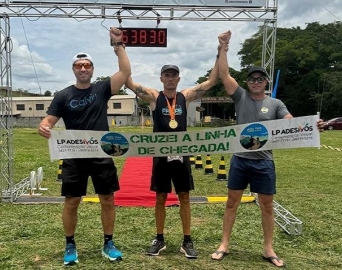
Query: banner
(276, 134)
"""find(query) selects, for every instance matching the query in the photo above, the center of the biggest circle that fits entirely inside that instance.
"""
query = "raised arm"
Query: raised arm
(119, 78)
(148, 94)
(229, 83)
(199, 90)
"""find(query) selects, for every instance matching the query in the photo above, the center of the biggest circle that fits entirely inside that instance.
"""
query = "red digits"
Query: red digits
(134, 36)
(153, 36)
(143, 37)
(161, 37)
(124, 37)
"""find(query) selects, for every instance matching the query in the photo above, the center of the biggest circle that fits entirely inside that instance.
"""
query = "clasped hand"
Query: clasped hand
(224, 39)
(115, 34)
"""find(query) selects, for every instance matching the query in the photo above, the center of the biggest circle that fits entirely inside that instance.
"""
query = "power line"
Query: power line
(327, 10)
(28, 46)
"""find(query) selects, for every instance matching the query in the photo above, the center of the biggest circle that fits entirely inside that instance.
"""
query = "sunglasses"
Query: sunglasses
(253, 80)
(85, 65)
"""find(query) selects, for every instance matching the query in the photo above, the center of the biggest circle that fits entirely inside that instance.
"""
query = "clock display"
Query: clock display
(144, 37)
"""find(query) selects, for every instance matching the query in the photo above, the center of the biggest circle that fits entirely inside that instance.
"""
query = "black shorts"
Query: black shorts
(75, 174)
(165, 173)
(258, 173)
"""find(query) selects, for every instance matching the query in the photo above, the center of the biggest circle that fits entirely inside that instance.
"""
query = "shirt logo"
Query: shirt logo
(178, 110)
(264, 110)
(75, 103)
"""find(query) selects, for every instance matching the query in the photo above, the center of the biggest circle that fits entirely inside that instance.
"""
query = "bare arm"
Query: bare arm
(288, 116)
(148, 94)
(46, 124)
(119, 78)
(199, 90)
(230, 85)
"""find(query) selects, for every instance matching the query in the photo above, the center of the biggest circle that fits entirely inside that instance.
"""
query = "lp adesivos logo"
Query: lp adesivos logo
(78, 141)
(299, 129)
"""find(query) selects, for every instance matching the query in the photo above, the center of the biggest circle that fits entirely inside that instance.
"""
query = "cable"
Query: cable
(328, 10)
(104, 25)
(28, 46)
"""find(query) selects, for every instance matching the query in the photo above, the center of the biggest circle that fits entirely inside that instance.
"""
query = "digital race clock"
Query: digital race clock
(144, 37)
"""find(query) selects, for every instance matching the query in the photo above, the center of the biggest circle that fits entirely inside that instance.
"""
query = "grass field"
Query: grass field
(308, 185)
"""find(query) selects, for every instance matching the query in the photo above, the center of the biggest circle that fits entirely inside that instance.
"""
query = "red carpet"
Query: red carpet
(135, 184)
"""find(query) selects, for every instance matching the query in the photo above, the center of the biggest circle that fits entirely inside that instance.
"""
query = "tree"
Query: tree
(330, 101)
(144, 105)
(310, 63)
(47, 93)
(103, 78)
(222, 110)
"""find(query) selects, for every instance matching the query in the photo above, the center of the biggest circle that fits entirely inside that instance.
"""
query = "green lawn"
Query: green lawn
(309, 186)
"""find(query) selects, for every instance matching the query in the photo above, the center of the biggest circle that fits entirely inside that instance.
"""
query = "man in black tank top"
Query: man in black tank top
(83, 106)
(169, 110)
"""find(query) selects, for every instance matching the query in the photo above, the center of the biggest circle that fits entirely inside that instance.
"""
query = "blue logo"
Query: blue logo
(178, 110)
(114, 144)
(82, 102)
(254, 136)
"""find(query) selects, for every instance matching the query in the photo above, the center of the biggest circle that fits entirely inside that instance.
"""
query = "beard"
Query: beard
(84, 78)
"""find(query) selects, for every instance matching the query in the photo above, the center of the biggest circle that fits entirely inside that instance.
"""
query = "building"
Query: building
(37, 106)
(122, 110)
(29, 111)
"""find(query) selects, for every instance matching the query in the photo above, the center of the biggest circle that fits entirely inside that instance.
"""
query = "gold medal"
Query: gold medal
(173, 124)
(172, 111)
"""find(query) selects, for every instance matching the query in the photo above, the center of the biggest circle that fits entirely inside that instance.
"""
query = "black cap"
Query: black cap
(257, 69)
(166, 67)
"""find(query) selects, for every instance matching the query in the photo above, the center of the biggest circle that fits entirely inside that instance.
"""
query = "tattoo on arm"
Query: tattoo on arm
(140, 91)
(199, 92)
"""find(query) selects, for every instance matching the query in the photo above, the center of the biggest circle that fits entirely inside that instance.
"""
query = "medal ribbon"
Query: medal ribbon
(172, 109)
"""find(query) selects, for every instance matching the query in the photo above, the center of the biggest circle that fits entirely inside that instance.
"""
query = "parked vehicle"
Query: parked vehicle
(335, 123)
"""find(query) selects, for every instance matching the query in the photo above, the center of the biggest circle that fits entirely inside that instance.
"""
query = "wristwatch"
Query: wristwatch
(116, 43)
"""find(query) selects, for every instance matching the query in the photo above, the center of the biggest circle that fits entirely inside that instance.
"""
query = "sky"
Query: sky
(43, 48)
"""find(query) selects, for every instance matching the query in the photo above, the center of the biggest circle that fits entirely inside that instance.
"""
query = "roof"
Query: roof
(50, 98)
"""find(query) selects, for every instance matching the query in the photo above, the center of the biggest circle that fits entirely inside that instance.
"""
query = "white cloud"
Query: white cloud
(191, 45)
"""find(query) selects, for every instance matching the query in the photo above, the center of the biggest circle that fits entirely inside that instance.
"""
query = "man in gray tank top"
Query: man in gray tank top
(254, 168)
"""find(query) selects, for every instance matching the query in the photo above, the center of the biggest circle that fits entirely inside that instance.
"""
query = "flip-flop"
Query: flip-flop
(270, 260)
(221, 255)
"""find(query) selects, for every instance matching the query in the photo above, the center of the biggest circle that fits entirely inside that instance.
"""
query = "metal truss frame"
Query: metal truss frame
(78, 10)
(284, 218)
(6, 146)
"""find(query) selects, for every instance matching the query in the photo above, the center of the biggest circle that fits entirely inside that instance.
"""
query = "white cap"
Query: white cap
(82, 56)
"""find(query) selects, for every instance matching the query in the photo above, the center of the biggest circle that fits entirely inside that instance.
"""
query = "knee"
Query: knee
(232, 204)
(72, 203)
(266, 207)
(184, 197)
(161, 198)
(107, 200)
